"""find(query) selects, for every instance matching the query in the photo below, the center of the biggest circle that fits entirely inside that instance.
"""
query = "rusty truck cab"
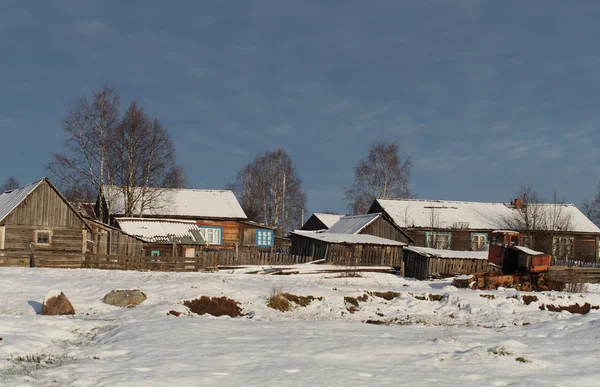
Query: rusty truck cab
(499, 244)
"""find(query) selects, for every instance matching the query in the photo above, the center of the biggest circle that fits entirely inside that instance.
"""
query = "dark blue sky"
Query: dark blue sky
(483, 95)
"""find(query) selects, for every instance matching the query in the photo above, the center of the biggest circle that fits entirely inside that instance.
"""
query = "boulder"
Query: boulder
(56, 303)
(124, 298)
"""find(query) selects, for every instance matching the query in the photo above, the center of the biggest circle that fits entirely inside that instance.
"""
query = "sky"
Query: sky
(483, 95)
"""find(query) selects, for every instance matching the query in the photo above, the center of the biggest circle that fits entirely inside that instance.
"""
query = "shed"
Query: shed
(348, 249)
(376, 224)
(36, 220)
(423, 262)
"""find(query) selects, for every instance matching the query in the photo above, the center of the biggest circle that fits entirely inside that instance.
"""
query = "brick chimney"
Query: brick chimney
(518, 203)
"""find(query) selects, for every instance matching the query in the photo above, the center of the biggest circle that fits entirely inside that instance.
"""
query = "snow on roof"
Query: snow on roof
(438, 253)
(328, 219)
(526, 250)
(353, 224)
(352, 239)
(9, 200)
(162, 230)
(416, 213)
(194, 203)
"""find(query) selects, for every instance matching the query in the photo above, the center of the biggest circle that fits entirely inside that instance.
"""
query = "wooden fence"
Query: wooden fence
(422, 267)
(205, 260)
(575, 274)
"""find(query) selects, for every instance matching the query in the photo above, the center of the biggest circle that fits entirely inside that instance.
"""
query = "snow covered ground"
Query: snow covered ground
(463, 339)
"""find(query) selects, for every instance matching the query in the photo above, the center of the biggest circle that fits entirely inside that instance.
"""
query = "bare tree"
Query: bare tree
(105, 155)
(10, 184)
(591, 209)
(143, 161)
(88, 127)
(383, 174)
(532, 214)
(270, 191)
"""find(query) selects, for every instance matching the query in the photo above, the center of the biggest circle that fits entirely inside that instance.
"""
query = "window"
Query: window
(438, 240)
(212, 235)
(155, 253)
(562, 247)
(264, 237)
(478, 241)
(42, 237)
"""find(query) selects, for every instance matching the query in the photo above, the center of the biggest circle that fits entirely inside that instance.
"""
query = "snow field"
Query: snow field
(463, 338)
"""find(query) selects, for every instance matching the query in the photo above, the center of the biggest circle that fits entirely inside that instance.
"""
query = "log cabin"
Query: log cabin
(562, 229)
(217, 219)
(37, 221)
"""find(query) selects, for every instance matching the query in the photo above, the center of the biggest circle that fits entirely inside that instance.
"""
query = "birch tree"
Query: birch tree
(382, 174)
(88, 127)
(143, 158)
(270, 191)
(591, 209)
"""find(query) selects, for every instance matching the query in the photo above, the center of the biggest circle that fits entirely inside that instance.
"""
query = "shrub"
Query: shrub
(215, 306)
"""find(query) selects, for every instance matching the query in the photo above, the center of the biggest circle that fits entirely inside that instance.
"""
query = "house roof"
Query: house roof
(353, 224)
(328, 219)
(438, 253)
(190, 203)
(10, 200)
(351, 239)
(162, 230)
(442, 214)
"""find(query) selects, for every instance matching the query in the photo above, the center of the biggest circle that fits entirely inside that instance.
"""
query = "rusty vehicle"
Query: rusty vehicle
(513, 266)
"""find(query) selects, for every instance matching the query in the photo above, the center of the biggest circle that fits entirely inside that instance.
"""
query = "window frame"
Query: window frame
(479, 234)
(270, 237)
(560, 246)
(155, 253)
(204, 235)
(37, 238)
(433, 233)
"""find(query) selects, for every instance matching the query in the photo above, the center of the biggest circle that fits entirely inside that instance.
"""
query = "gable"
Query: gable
(39, 204)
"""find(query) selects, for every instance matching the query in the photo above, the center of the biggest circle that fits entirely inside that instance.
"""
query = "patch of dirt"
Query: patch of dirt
(528, 299)
(300, 300)
(376, 322)
(435, 297)
(352, 302)
(389, 295)
(215, 306)
(174, 313)
(574, 309)
(488, 296)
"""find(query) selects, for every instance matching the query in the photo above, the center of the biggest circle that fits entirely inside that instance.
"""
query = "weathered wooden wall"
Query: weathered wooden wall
(422, 267)
(44, 210)
(383, 228)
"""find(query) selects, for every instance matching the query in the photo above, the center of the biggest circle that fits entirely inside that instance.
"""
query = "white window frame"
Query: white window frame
(264, 238)
(559, 245)
(476, 237)
(438, 240)
(36, 236)
(212, 235)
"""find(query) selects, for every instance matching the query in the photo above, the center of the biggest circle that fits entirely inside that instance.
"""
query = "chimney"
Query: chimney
(518, 203)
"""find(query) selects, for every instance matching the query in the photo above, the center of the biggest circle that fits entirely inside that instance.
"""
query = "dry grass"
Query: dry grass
(389, 295)
(502, 351)
(215, 306)
(300, 300)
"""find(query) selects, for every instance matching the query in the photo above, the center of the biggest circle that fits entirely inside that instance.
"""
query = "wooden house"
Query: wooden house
(376, 224)
(563, 230)
(347, 249)
(218, 221)
(320, 221)
(37, 221)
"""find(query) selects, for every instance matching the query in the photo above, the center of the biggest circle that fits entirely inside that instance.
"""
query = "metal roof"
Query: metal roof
(350, 239)
(10, 200)
(164, 231)
(328, 219)
(353, 224)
